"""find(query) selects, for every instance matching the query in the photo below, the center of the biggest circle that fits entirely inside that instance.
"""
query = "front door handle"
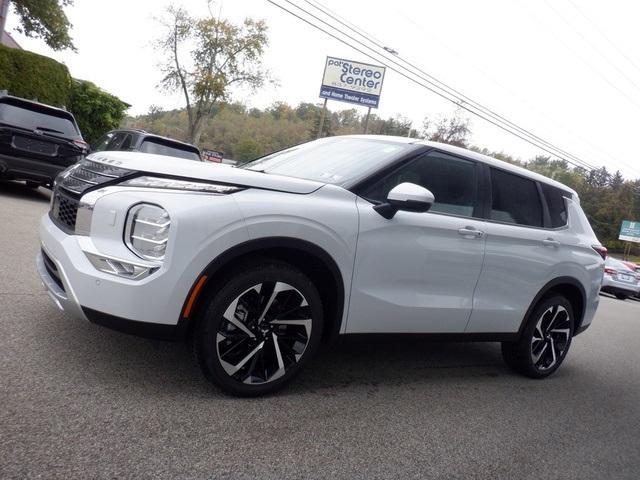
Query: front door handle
(470, 232)
(550, 242)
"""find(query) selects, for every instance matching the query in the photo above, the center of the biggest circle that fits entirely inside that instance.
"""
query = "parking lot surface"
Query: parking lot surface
(80, 401)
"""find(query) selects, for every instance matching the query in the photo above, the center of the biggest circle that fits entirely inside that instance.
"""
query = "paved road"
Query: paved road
(80, 401)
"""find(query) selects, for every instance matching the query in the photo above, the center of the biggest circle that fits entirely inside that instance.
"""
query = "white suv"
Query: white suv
(258, 265)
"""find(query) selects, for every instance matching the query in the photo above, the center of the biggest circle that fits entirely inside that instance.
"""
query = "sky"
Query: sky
(566, 70)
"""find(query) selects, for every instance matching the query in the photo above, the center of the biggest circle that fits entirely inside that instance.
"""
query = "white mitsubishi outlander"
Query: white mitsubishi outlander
(258, 265)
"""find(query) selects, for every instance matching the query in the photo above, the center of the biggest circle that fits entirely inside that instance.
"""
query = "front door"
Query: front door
(417, 271)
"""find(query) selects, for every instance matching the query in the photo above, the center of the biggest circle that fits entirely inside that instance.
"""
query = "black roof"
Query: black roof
(160, 137)
(10, 99)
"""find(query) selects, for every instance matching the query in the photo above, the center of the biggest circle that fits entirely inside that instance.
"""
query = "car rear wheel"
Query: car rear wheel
(545, 341)
(260, 329)
(621, 296)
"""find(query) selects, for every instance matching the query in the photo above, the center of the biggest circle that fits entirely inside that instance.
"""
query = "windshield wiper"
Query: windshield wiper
(45, 129)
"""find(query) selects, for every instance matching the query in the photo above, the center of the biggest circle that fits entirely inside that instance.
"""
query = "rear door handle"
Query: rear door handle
(550, 242)
(470, 232)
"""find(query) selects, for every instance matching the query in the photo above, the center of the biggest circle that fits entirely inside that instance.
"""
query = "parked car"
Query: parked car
(620, 279)
(37, 141)
(258, 265)
(136, 140)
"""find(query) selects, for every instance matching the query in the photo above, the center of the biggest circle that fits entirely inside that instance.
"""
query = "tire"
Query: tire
(31, 184)
(545, 340)
(260, 329)
(621, 296)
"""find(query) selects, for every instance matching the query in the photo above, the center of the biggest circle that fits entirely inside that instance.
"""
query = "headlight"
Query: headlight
(147, 231)
(173, 184)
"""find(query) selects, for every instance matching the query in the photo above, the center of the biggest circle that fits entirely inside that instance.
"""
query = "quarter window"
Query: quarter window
(515, 199)
(556, 204)
(451, 180)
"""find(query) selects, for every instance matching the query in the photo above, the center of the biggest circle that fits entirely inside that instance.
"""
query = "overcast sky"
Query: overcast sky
(568, 70)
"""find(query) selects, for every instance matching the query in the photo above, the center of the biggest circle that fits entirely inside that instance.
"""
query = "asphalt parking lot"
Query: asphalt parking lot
(80, 401)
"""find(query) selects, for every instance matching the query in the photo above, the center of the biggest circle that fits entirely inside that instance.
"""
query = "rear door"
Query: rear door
(523, 249)
(417, 271)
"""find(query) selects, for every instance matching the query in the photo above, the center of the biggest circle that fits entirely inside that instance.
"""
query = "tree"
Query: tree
(95, 110)
(454, 130)
(45, 19)
(222, 56)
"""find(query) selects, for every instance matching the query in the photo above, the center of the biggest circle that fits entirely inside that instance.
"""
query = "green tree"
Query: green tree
(221, 56)
(95, 110)
(454, 130)
(45, 19)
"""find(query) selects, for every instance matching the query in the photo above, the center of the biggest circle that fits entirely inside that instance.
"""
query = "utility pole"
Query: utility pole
(324, 113)
(366, 121)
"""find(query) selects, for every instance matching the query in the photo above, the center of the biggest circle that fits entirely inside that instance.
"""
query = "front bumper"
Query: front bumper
(203, 226)
(63, 297)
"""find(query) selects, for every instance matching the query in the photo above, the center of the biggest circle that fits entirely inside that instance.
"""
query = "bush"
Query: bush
(96, 111)
(32, 76)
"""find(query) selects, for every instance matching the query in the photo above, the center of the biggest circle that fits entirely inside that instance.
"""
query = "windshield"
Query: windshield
(151, 145)
(337, 160)
(54, 123)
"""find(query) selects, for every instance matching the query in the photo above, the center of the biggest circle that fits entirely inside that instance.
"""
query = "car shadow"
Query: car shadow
(19, 190)
(369, 362)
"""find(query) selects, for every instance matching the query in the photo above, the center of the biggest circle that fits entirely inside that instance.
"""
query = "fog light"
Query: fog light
(147, 231)
(119, 267)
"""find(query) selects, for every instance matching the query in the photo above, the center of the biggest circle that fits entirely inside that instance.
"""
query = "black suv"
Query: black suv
(37, 141)
(135, 140)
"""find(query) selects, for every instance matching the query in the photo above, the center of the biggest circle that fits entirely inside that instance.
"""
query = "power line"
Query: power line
(431, 79)
(603, 35)
(425, 83)
(591, 44)
(529, 106)
(583, 60)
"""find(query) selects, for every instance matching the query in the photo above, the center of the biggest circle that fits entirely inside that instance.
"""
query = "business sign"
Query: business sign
(630, 231)
(212, 156)
(352, 82)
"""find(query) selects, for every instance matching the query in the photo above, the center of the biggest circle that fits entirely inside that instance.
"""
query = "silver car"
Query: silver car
(619, 279)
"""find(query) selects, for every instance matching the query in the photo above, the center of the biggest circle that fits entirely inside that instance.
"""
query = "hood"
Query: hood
(212, 172)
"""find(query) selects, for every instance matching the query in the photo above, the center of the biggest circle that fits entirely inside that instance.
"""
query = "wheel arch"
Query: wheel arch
(311, 259)
(571, 289)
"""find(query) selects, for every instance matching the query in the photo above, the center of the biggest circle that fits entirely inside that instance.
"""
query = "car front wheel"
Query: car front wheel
(545, 341)
(259, 329)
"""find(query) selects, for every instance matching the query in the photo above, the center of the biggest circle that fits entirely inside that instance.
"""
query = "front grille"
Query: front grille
(88, 174)
(73, 183)
(52, 270)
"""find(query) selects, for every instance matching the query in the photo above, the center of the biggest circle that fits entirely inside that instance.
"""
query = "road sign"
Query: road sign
(352, 82)
(630, 231)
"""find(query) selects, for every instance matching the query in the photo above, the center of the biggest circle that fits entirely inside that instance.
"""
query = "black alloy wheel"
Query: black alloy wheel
(260, 329)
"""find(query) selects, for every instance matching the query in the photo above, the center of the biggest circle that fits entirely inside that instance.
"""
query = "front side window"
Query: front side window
(556, 203)
(515, 199)
(452, 181)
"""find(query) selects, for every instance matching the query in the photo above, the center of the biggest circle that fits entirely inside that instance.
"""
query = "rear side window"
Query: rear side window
(451, 180)
(515, 199)
(55, 122)
(151, 145)
(557, 205)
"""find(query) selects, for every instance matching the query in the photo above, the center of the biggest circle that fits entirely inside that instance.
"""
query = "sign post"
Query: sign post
(351, 82)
